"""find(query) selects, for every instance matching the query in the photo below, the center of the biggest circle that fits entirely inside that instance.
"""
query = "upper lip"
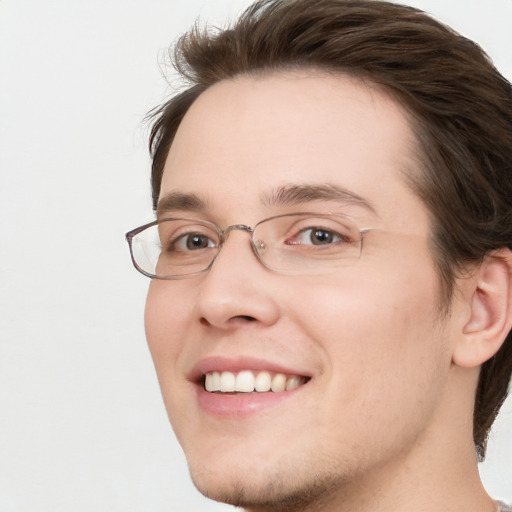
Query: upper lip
(236, 364)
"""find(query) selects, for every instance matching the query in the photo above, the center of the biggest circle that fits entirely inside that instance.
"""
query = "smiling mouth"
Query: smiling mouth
(248, 381)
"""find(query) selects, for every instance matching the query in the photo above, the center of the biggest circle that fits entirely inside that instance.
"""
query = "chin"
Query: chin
(278, 488)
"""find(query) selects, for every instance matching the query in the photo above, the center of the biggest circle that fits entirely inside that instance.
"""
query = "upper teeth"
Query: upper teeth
(247, 381)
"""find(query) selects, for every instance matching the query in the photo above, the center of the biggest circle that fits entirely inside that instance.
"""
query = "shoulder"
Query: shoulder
(503, 507)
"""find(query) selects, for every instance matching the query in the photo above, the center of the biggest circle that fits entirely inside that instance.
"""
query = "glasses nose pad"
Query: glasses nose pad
(260, 249)
(260, 246)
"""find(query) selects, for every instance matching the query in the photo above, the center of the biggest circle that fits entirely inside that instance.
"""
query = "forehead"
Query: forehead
(245, 138)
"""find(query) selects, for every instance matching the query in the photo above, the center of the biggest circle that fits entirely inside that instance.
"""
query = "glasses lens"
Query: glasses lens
(307, 243)
(175, 247)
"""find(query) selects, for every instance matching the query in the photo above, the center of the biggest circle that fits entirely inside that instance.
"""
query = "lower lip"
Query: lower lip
(240, 405)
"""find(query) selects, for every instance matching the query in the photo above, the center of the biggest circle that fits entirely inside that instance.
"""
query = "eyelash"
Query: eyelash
(336, 237)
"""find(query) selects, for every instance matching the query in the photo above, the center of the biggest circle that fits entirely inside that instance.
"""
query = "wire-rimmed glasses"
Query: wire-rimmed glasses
(295, 243)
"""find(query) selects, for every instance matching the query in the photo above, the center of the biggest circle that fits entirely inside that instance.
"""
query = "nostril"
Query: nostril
(243, 318)
(246, 318)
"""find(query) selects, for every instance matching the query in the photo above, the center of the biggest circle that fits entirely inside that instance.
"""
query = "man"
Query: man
(330, 311)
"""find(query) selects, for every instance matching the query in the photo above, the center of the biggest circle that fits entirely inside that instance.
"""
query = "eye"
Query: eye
(317, 236)
(191, 242)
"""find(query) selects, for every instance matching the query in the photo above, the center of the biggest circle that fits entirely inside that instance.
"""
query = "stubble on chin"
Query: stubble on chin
(282, 492)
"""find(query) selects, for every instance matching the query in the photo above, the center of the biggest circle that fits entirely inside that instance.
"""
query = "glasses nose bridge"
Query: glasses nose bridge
(224, 233)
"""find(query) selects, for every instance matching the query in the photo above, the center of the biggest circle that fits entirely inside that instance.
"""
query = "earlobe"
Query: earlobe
(490, 304)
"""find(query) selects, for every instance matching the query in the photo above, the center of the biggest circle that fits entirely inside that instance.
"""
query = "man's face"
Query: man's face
(366, 338)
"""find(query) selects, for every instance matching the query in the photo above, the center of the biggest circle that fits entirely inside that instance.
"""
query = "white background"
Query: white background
(82, 424)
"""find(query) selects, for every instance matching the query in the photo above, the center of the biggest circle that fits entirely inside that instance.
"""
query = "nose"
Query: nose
(237, 289)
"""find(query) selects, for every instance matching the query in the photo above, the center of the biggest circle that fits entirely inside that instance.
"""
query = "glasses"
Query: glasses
(296, 243)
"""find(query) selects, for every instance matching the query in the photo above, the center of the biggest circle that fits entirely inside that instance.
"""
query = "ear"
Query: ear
(490, 307)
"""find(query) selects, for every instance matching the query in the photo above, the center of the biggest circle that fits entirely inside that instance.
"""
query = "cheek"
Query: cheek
(379, 333)
(370, 306)
(167, 318)
(167, 315)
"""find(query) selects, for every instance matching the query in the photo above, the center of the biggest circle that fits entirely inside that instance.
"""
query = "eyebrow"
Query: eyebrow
(286, 195)
(179, 201)
(290, 195)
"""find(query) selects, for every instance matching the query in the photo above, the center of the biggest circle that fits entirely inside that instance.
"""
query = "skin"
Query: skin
(385, 421)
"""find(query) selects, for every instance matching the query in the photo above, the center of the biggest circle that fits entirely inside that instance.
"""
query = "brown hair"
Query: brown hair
(460, 105)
